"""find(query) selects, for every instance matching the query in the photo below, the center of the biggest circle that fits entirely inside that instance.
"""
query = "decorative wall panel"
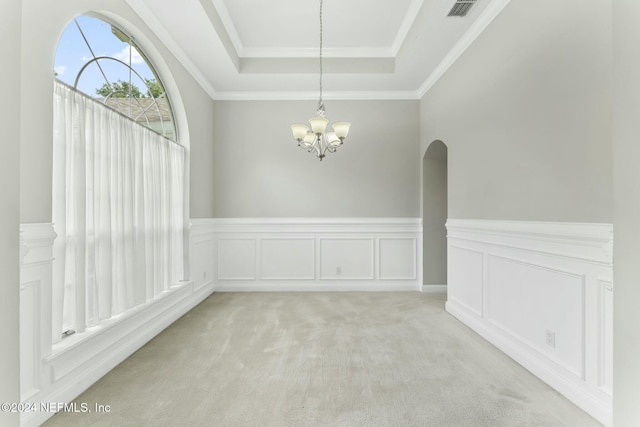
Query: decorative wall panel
(397, 258)
(318, 254)
(236, 259)
(543, 294)
(287, 258)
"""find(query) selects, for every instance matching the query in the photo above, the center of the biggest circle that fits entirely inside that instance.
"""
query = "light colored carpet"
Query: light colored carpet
(322, 359)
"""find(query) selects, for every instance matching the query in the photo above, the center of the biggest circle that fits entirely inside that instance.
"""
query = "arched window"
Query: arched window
(104, 62)
(118, 179)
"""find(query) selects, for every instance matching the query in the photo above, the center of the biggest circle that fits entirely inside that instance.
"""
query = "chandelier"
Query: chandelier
(317, 139)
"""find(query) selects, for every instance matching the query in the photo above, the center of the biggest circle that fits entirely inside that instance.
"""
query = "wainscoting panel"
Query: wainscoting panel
(318, 254)
(605, 337)
(237, 259)
(465, 285)
(287, 259)
(201, 253)
(543, 294)
(346, 258)
(36, 250)
(29, 339)
(519, 291)
(397, 259)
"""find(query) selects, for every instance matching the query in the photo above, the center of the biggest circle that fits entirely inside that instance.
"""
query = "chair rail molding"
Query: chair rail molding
(36, 241)
(542, 292)
(588, 242)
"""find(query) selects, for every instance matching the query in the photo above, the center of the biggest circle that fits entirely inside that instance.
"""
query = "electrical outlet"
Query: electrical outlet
(550, 338)
(338, 270)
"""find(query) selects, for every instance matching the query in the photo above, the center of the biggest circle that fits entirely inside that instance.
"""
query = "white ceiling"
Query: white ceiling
(267, 29)
(268, 49)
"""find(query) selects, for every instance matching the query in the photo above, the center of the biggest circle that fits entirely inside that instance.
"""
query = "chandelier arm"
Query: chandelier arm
(333, 148)
(316, 145)
(327, 147)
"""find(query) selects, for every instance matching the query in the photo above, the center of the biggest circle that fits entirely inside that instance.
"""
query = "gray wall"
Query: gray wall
(626, 149)
(200, 110)
(260, 171)
(9, 213)
(42, 25)
(525, 112)
(434, 215)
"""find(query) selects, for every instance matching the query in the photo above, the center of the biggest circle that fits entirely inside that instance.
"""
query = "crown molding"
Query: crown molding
(312, 52)
(151, 20)
(307, 95)
(216, 22)
(484, 19)
(407, 23)
(228, 26)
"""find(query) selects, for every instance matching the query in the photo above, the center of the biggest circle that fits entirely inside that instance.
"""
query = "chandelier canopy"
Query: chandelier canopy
(316, 139)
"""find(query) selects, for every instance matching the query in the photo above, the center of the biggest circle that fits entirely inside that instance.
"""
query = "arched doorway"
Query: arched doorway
(434, 216)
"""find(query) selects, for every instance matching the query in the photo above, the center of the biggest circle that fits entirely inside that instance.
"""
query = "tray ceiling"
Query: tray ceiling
(268, 49)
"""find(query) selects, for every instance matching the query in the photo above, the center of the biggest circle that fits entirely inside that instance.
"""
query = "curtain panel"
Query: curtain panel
(118, 210)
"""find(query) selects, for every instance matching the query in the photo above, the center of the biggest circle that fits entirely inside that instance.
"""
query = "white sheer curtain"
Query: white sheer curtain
(118, 191)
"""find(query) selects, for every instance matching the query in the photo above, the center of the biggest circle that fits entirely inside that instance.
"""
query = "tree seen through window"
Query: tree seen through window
(100, 60)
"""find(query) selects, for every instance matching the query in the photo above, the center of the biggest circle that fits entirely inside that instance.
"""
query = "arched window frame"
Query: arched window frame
(139, 109)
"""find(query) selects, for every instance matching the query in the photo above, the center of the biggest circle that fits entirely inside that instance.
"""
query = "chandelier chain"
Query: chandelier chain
(320, 103)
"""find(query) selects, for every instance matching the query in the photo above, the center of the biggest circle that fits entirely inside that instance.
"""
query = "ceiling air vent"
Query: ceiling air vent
(461, 7)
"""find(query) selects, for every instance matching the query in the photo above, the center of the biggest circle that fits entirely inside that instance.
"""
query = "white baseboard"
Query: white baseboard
(434, 289)
(315, 287)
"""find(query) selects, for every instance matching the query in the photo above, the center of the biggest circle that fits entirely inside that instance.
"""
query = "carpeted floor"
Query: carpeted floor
(321, 359)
